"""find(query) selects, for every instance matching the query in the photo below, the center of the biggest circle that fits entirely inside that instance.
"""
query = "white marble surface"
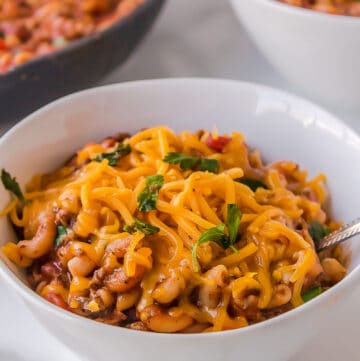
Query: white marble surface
(192, 38)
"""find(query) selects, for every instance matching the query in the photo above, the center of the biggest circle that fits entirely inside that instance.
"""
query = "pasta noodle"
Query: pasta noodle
(168, 232)
(337, 7)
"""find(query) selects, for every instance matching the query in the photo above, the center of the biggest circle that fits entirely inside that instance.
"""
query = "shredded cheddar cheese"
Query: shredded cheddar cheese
(115, 258)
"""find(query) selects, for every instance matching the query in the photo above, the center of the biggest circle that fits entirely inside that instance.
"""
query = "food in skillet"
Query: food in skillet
(167, 232)
(32, 28)
(337, 7)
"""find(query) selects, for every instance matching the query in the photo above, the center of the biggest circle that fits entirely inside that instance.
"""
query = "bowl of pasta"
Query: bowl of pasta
(314, 45)
(190, 228)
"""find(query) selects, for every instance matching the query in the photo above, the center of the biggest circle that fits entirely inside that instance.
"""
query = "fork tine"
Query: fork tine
(340, 235)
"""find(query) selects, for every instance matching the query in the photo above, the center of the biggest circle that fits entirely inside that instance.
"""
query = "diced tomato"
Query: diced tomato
(57, 300)
(108, 142)
(218, 143)
(3, 45)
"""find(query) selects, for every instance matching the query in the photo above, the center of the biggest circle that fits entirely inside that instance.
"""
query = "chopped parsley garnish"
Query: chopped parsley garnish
(61, 233)
(253, 184)
(189, 162)
(312, 293)
(141, 226)
(12, 185)
(209, 165)
(318, 231)
(148, 197)
(113, 157)
(218, 235)
(233, 222)
(185, 161)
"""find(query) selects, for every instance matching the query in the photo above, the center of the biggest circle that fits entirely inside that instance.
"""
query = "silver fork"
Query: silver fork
(339, 236)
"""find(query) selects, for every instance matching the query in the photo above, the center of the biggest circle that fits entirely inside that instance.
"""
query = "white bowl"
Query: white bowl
(282, 126)
(318, 53)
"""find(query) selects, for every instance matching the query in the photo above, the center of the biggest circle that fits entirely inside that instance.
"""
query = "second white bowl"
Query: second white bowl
(318, 53)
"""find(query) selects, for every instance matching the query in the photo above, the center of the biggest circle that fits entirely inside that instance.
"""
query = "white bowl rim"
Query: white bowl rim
(32, 297)
(291, 10)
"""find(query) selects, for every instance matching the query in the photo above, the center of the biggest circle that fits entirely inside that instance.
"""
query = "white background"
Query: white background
(192, 38)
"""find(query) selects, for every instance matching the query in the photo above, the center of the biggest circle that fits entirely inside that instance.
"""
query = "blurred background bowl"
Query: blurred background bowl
(78, 65)
(318, 53)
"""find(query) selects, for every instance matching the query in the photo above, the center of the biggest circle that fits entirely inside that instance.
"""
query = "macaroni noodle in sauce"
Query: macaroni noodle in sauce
(168, 232)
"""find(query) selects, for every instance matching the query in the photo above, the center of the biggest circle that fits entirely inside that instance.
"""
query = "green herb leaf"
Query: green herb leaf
(148, 197)
(216, 234)
(318, 231)
(209, 165)
(310, 294)
(253, 184)
(190, 162)
(233, 221)
(185, 161)
(113, 157)
(140, 226)
(61, 233)
(12, 185)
